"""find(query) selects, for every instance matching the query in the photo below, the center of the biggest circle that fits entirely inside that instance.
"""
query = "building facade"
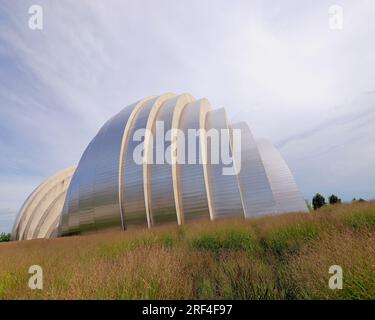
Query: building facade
(178, 179)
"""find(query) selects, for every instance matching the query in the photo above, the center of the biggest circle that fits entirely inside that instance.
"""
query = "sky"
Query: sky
(278, 65)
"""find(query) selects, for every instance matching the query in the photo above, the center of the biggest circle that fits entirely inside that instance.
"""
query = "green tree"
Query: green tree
(4, 237)
(333, 199)
(318, 201)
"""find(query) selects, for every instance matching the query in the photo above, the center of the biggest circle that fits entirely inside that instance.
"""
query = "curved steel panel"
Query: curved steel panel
(37, 213)
(190, 176)
(52, 231)
(256, 192)
(106, 184)
(175, 167)
(124, 147)
(133, 196)
(29, 209)
(158, 176)
(49, 197)
(93, 200)
(50, 216)
(21, 216)
(70, 217)
(224, 189)
(285, 191)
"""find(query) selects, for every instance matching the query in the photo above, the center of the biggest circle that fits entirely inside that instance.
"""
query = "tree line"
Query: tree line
(319, 201)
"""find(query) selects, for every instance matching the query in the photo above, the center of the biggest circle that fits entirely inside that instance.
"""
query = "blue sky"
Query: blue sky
(275, 64)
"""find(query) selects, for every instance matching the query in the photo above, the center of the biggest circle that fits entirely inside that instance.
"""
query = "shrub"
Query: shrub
(333, 199)
(318, 201)
(5, 237)
(359, 200)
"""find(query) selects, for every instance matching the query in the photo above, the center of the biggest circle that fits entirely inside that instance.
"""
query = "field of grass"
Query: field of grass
(280, 257)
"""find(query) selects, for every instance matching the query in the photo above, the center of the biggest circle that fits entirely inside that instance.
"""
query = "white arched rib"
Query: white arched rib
(205, 108)
(180, 105)
(148, 146)
(125, 139)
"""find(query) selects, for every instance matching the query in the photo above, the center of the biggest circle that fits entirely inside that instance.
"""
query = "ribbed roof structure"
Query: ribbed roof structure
(178, 179)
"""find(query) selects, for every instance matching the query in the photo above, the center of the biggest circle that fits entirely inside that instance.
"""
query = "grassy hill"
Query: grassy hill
(280, 257)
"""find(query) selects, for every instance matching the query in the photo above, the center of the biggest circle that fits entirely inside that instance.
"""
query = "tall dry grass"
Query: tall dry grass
(278, 257)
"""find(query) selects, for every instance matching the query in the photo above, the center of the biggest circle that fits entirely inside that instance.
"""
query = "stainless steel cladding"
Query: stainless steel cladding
(128, 177)
(93, 198)
(134, 204)
(223, 182)
(190, 175)
(158, 175)
(285, 191)
(255, 187)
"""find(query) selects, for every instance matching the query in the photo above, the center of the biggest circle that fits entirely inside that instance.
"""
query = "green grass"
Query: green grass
(225, 240)
(288, 239)
(361, 220)
(276, 257)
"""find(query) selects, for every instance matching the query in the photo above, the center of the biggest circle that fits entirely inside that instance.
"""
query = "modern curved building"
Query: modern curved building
(128, 178)
(40, 215)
